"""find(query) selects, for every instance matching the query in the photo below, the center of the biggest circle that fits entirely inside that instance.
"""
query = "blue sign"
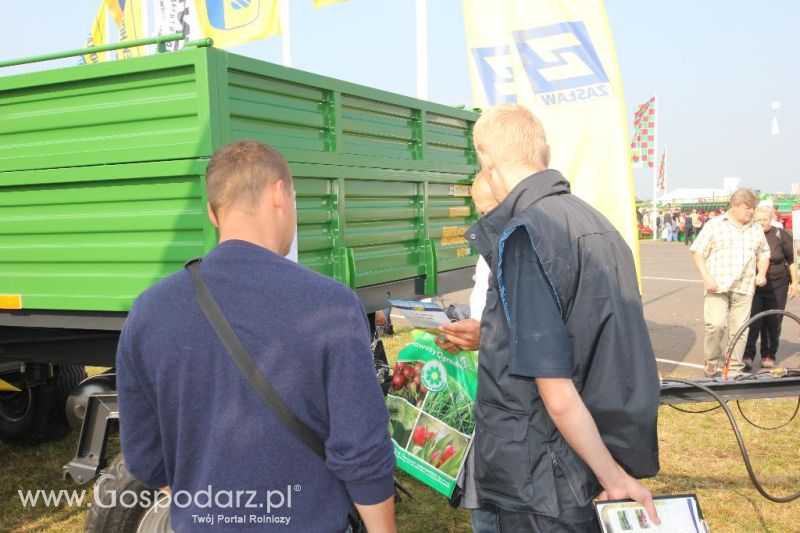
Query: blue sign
(494, 65)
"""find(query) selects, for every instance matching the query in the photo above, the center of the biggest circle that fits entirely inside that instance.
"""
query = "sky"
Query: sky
(716, 67)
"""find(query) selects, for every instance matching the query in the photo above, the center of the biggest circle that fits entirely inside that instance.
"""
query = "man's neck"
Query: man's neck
(247, 231)
(514, 175)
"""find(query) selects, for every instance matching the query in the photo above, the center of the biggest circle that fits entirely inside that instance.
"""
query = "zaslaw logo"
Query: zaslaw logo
(560, 61)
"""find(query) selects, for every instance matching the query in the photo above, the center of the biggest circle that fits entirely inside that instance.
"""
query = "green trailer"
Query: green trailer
(102, 194)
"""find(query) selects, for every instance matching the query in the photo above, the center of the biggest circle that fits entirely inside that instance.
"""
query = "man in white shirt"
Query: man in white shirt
(732, 257)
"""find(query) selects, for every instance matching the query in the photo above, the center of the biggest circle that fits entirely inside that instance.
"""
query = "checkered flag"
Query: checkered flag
(643, 146)
(661, 182)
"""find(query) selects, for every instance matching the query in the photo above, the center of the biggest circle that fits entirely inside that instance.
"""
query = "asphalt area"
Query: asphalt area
(672, 295)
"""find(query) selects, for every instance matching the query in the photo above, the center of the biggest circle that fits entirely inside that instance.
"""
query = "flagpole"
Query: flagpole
(655, 167)
(286, 34)
(422, 49)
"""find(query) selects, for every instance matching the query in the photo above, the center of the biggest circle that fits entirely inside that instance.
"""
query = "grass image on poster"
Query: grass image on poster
(431, 410)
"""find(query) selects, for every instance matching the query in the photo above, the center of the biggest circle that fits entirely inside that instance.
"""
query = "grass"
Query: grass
(698, 454)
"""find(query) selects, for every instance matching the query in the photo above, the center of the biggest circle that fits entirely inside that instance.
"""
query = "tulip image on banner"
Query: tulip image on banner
(232, 22)
(661, 182)
(97, 36)
(558, 59)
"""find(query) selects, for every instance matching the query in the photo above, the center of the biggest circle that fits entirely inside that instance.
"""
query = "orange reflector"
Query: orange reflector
(10, 301)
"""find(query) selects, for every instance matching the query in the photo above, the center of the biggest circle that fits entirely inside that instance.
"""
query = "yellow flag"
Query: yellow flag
(130, 28)
(232, 22)
(557, 57)
(323, 3)
(115, 7)
(97, 36)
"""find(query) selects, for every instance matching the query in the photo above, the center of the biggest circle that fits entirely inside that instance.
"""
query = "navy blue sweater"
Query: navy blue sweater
(190, 420)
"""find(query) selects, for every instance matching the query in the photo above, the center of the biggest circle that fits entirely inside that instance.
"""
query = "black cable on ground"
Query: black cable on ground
(729, 414)
(690, 411)
(754, 318)
(739, 406)
(740, 441)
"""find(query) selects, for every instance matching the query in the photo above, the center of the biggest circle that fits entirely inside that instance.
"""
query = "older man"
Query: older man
(732, 256)
(562, 331)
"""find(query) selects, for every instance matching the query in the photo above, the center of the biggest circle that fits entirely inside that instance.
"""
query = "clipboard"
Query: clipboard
(679, 513)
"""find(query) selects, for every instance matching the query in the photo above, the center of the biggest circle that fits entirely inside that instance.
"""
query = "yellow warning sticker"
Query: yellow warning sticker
(453, 235)
(453, 231)
(10, 301)
(461, 211)
(462, 252)
(460, 190)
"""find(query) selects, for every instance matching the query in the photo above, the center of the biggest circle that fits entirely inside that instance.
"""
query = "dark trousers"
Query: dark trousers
(494, 521)
(771, 296)
(689, 232)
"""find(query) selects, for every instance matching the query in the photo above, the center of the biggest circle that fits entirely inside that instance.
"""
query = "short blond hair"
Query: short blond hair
(240, 172)
(744, 196)
(510, 133)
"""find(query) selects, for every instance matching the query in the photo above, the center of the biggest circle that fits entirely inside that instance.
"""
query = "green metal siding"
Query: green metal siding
(93, 238)
(101, 174)
(147, 109)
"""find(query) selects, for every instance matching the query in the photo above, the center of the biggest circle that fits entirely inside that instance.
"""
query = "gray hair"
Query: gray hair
(764, 209)
(744, 196)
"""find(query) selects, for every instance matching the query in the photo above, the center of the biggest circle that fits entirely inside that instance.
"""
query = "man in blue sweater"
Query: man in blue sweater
(192, 424)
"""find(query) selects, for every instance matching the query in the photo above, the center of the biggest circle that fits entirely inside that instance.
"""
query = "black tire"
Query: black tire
(102, 517)
(36, 414)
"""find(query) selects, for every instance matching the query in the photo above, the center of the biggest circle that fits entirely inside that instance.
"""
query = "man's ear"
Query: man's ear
(280, 194)
(212, 216)
(547, 156)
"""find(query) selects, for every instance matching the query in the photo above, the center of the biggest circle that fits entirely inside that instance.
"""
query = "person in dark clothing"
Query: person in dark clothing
(558, 326)
(668, 227)
(781, 284)
(688, 228)
(191, 423)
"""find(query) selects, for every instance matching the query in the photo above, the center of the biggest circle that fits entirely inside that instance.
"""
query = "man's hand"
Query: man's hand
(761, 280)
(710, 284)
(792, 291)
(631, 488)
(461, 335)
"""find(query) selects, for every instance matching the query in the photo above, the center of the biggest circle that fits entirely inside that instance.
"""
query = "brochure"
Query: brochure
(431, 405)
(679, 513)
(422, 315)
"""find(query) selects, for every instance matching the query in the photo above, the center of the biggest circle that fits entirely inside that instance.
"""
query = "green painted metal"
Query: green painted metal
(160, 41)
(102, 174)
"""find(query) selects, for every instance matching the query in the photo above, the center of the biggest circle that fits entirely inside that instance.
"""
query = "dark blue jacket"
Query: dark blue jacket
(563, 301)
(190, 420)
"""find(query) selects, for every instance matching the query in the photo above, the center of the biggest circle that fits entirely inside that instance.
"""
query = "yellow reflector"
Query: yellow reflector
(10, 301)
(5, 386)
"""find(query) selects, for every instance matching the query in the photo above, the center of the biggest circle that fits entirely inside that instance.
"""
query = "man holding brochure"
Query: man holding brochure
(567, 382)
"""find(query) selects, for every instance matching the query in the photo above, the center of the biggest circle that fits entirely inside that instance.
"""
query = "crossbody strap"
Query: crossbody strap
(246, 364)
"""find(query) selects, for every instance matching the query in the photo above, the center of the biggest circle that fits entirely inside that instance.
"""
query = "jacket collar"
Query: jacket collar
(485, 233)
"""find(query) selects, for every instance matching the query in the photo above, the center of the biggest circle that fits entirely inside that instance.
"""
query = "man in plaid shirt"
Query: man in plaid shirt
(732, 256)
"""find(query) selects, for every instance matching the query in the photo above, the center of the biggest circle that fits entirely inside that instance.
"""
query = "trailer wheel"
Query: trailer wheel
(107, 513)
(36, 414)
